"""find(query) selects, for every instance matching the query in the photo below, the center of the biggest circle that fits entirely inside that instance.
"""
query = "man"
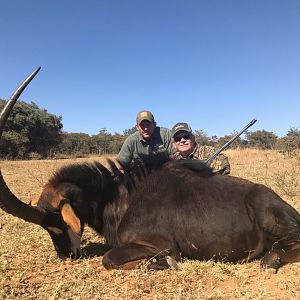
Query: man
(187, 148)
(148, 139)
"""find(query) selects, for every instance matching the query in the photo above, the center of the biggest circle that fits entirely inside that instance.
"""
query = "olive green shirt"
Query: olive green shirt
(135, 145)
(220, 164)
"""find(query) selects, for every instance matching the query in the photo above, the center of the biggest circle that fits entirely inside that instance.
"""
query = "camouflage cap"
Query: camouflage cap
(181, 127)
(144, 115)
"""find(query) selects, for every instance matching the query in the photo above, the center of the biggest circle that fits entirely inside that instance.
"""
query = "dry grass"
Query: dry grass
(29, 268)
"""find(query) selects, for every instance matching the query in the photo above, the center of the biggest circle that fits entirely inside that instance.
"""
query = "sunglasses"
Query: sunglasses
(178, 138)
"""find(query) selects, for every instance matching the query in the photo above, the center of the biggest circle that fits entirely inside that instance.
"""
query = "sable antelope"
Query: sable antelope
(173, 210)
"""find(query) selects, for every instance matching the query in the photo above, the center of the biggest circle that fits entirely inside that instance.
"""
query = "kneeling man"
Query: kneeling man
(187, 148)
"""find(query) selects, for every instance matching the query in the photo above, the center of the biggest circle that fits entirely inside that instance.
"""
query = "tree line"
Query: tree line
(33, 133)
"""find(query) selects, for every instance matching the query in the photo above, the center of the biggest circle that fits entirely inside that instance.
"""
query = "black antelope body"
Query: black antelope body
(172, 210)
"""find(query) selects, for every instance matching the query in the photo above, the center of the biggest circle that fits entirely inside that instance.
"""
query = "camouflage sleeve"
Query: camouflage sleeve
(220, 164)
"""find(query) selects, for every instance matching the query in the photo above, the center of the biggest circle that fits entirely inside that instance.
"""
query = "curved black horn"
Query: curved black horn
(8, 201)
(13, 99)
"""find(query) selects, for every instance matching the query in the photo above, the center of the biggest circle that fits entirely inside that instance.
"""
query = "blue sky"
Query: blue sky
(215, 64)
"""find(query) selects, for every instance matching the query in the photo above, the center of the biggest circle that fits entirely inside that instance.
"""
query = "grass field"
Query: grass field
(29, 268)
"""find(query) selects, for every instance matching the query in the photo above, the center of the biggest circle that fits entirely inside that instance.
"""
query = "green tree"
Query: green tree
(129, 131)
(116, 143)
(30, 129)
(102, 140)
(261, 139)
(293, 137)
(290, 142)
(78, 144)
(202, 138)
(238, 143)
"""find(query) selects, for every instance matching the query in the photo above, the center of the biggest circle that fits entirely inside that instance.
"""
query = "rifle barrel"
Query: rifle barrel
(212, 157)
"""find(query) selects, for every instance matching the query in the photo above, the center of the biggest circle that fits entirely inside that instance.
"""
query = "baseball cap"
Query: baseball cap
(144, 115)
(181, 127)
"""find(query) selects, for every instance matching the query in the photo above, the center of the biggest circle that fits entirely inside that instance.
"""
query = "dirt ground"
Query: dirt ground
(29, 268)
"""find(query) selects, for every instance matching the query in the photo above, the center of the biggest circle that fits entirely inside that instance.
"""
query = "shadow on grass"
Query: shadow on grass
(94, 249)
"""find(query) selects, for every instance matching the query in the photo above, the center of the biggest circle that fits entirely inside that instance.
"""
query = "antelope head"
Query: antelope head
(60, 221)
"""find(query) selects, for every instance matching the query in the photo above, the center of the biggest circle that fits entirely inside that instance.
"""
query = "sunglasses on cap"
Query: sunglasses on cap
(185, 136)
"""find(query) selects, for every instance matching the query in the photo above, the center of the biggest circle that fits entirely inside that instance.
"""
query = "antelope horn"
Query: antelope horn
(8, 201)
(13, 99)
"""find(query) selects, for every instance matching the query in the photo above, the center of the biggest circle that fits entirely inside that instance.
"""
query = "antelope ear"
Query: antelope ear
(70, 218)
(35, 200)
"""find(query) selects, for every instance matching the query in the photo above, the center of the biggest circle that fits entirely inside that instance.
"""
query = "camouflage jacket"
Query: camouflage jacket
(220, 164)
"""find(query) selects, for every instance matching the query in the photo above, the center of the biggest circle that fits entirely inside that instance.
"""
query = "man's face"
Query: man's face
(146, 129)
(184, 142)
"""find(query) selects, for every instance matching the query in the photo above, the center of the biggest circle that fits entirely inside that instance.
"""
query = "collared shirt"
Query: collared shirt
(220, 164)
(135, 145)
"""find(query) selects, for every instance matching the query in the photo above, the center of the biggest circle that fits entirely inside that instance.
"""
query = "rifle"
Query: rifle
(226, 145)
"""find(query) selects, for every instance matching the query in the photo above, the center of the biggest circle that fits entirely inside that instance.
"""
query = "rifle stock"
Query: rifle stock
(226, 145)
